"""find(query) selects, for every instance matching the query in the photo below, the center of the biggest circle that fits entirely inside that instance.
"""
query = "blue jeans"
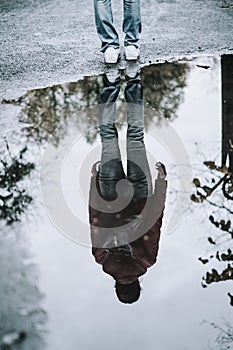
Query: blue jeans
(105, 27)
(111, 169)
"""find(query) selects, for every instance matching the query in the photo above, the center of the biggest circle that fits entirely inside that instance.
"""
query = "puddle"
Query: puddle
(51, 142)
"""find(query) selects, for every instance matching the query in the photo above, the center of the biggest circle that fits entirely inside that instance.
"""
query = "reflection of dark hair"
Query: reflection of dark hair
(128, 293)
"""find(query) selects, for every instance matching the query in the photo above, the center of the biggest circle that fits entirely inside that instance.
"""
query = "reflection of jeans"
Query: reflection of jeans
(111, 169)
(105, 27)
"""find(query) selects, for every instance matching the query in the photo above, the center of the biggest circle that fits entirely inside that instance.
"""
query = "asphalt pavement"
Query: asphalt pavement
(44, 42)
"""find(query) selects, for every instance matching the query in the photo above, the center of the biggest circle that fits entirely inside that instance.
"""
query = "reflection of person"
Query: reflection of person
(108, 34)
(125, 241)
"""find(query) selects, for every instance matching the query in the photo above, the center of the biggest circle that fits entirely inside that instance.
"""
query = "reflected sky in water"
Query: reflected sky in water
(178, 294)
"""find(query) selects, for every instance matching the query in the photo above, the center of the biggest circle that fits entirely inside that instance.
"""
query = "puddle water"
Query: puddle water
(56, 292)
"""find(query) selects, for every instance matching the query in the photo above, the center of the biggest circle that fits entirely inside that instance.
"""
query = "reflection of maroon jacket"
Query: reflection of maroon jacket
(126, 269)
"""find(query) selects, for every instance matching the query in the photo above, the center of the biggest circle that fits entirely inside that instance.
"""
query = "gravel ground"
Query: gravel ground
(47, 42)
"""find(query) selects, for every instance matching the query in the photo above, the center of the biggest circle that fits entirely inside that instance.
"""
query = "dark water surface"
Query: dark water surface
(50, 140)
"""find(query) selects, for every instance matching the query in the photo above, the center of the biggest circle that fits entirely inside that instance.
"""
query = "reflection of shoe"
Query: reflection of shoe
(112, 75)
(132, 69)
(111, 55)
(131, 53)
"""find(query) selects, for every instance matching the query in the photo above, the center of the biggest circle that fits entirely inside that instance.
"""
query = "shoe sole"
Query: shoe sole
(111, 62)
(130, 58)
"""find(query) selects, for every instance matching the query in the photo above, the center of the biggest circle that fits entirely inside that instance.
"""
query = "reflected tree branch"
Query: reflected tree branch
(14, 199)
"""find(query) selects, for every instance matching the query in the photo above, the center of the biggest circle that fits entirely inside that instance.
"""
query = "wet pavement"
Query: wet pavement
(53, 294)
(49, 42)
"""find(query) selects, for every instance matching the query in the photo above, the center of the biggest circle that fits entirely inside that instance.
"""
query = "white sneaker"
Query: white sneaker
(131, 53)
(112, 74)
(111, 55)
(132, 69)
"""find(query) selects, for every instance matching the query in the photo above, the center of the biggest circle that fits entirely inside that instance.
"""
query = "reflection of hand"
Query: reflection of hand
(162, 173)
(95, 168)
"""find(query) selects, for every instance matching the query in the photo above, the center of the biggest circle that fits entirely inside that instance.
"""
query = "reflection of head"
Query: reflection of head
(128, 293)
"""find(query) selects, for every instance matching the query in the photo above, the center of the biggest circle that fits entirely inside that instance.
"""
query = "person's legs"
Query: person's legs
(104, 24)
(111, 169)
(138, 171)
(107, 108)
(132, 22)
